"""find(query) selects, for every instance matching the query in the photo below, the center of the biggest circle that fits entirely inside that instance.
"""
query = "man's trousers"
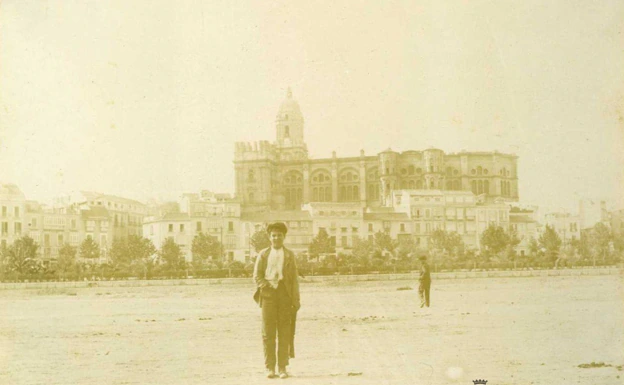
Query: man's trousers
(423, 291)
(276, 321)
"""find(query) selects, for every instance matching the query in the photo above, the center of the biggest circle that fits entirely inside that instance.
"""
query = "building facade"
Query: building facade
(281, 176)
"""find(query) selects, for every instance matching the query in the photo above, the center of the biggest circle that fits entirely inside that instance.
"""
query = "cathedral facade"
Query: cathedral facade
(281, 176)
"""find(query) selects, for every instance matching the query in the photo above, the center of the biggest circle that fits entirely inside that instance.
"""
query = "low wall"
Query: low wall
(329, 278)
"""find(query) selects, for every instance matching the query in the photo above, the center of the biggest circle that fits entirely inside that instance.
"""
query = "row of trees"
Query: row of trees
(133, 256)
(136, 256)
(498, 246)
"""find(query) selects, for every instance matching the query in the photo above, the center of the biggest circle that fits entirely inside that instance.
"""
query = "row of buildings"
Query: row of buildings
(407, 194)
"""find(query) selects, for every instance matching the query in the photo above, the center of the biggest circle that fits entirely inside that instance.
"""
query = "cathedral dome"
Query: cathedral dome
(289, 107)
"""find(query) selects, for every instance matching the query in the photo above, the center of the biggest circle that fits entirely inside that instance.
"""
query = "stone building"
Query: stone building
(281, 175)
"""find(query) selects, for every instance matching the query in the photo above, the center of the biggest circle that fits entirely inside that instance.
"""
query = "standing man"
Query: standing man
(276, 277)
(425, 281)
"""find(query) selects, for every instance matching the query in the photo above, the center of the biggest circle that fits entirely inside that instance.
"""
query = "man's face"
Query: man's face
(277, 239)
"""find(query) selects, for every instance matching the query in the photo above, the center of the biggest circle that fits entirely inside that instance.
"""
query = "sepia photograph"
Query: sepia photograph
(425, 192)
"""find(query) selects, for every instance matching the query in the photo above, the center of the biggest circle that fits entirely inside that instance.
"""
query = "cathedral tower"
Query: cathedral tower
(289, 130)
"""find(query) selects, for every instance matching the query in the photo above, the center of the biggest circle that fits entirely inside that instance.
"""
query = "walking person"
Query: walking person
(425, 281)
(277, 293)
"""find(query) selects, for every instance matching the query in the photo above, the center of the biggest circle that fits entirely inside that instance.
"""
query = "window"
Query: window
(230, 226)
(171, 228)
(18, 227)
(5, 228)
(387, 225)
(17, 212)
(59, 239)
(199, 226)
(343, 229)
(402, 227)
(46, 239)
(73, 223)
(103, 240)
(181, 228)
(286, 132)
(370, 227)
(343, 241)
(33, 222)
(4, 211)
(73, 238)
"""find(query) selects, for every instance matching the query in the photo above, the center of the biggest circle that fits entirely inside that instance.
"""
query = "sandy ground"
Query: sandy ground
(508, 331)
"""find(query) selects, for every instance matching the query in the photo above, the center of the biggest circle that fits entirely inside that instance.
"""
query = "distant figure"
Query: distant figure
(425, 281)
(275, 274)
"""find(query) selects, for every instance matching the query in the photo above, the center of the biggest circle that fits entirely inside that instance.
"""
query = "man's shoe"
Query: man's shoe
(283, 374)
(270, 373)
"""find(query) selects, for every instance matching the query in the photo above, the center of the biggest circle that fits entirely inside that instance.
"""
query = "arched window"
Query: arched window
(410, 170)
(449, 185)
(473, 186)
(480, 187)
(419, 184)
(286, 131)
(479, 170)
(456, 185)
(293, 187)
(410, 184)
(449, 171)
(251, 176)
(321, 180)
(486, 186)
(348, 179)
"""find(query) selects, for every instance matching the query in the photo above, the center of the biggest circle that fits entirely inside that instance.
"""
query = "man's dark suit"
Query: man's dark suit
(278, 306)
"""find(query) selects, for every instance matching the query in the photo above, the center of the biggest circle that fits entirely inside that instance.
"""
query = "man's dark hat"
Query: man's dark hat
(277, 226)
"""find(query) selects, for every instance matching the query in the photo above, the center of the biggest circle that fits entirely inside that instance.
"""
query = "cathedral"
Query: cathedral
(281, 176)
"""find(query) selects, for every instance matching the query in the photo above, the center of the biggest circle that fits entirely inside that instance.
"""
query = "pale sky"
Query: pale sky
(145, 99)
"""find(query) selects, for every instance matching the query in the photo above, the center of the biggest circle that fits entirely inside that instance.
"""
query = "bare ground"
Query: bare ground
(509, 331)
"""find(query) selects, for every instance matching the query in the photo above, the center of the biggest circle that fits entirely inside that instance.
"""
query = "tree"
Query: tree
(362, 251)
(21, 256)
(89, 250)
(321, 244)
(205, 247)
(449, 242)
(494, 239)
(66, 261)
(551, 242)
(600, 240)
(260, 240)
(171, 253)
(134, 253)
(383, 241)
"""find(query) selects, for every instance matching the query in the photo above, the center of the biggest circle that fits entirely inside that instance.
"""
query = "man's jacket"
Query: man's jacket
(290, 274)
